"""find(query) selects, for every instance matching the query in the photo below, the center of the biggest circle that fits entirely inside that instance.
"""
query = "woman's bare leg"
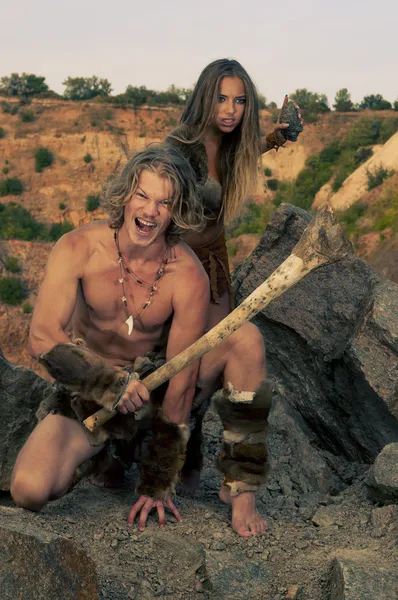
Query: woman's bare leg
(45, 466)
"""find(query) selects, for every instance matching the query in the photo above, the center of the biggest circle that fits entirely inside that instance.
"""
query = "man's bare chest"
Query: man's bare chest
(111, 301)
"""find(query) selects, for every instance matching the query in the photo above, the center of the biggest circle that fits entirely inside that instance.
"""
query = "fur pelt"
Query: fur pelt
(244, 453)
(160, 469)
(80, 370)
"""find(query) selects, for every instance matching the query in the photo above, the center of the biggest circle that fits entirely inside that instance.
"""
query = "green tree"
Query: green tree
(262, 101)
(342, 101)
(24, 86)
(375, 102)
(85, 88)
(312, 102)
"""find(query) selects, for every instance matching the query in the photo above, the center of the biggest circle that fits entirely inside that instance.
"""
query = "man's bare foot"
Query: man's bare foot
(189, 483)
(246, 521)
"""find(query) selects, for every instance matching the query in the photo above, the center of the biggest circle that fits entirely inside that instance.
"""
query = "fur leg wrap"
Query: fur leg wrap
(81, 371)
(161, 468)
(244, 415)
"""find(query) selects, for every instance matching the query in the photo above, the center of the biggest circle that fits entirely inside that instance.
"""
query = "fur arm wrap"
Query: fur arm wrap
(161, 468)
(82, 371)
(244, 415)
(274, 140)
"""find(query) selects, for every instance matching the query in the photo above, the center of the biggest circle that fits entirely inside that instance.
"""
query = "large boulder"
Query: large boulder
(332, 348)
(42, 566)
(21, 392)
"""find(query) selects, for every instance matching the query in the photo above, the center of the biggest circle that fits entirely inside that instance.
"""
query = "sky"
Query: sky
(321, 45)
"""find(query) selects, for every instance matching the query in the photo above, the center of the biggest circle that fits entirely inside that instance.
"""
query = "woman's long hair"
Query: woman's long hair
(240, 149)
(185, 206)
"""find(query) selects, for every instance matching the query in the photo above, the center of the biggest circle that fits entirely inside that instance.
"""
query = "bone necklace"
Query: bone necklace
(152, 287)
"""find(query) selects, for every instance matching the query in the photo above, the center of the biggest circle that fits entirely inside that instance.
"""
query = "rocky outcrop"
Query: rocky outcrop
(332, 353)
(21, 392)
(40, 566)
(383, 475)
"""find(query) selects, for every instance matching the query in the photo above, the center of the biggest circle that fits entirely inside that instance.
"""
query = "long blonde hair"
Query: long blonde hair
(185, 207)
(240, 149)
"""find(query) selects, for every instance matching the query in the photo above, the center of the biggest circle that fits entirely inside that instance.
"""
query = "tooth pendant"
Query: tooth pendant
(130, 324)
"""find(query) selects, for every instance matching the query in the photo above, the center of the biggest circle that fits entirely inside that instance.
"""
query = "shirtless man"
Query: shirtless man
(124, 286)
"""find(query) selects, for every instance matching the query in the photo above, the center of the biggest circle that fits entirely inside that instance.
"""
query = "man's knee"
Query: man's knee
(249, 343)
(27, 492)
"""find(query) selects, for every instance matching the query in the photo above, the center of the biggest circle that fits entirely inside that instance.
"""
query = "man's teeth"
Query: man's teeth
(146, 223)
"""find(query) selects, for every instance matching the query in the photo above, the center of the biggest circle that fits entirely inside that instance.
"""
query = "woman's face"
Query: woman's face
(230, 104)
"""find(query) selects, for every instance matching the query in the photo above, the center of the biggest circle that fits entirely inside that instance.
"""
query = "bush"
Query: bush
(87, 158)
(11, 186)
(61, 206)
(43, 158)
(362, 155)
(27, 116)
(267, 172)
(350, 217)
(253, 219)
(8, 108)
(3, 133)
(5, 170)
(11, 291)
(57, 230)
(92, 202)
(12, 264)
(27, 308)
(273, 184)
(17, 223)
(376, 177)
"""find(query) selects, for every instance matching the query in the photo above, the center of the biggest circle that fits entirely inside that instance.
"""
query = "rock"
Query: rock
(332, 353)
(326, 516)
(289, 114)
(293, 592)
(39, 566)
(375, 348)
(384, 519)
(176, 555)
(21, 392)
(358, 575)
(383, 476)
(218, 545)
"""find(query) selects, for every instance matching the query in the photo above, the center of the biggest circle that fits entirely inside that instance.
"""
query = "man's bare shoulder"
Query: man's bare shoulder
(187, 263)
(81, 241)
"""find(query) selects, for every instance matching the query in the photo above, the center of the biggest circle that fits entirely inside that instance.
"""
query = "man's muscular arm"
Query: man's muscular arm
(58, 292)
(191, 305)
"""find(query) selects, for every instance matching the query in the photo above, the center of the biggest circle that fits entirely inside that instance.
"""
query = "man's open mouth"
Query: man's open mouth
(144, 226)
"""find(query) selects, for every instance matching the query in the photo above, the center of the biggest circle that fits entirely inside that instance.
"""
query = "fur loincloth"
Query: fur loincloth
(72, 404)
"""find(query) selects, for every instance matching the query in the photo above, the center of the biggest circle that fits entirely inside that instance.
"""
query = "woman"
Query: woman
(219, 132)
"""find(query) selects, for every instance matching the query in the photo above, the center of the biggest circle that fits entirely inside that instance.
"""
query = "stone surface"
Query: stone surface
(289, 114)
(383, 476)
(21, 392)
(313, 335)
(39, 566)
(385, 520)
(359, 575)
